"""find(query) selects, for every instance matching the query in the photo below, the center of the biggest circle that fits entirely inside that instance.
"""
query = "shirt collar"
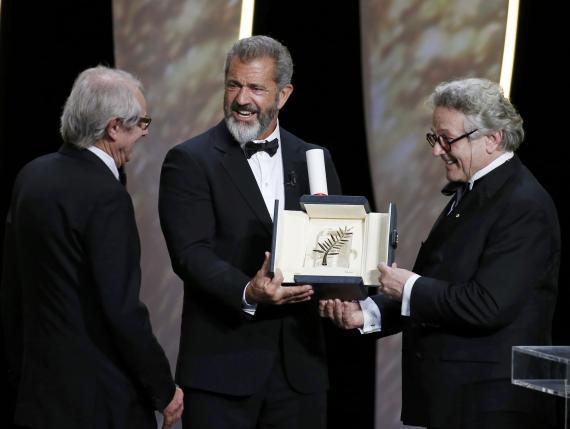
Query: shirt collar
(490, 167)
(106, 158)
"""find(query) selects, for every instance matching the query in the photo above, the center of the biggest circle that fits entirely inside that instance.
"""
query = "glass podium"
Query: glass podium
(543, 368)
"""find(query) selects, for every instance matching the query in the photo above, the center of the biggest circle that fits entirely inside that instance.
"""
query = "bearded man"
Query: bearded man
(251, 351)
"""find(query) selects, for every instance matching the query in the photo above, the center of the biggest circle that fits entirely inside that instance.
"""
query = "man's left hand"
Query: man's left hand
(392, 280)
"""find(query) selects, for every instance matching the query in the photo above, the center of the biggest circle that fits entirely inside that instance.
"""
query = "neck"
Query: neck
(269, 130)
(496, 162)
(107, 147)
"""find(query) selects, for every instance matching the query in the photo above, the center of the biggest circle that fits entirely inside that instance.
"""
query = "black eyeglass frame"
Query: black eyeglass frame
(444, 142)
(144, 122)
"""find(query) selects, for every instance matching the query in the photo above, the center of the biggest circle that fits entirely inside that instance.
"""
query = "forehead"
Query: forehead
(448, 120)
(251, 71)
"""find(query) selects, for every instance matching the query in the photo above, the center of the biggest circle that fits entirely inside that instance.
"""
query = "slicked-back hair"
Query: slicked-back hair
(99, 94)
(256, 47)
(485, 108)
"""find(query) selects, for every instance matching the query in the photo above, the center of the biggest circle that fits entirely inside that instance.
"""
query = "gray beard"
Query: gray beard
(243, 133)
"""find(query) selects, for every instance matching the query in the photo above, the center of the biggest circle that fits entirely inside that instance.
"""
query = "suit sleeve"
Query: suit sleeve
(391, 320)
(113, 252)
(520, 253)
(188, 221)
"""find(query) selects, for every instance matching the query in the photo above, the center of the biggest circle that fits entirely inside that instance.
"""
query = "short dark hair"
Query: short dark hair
(255, 47)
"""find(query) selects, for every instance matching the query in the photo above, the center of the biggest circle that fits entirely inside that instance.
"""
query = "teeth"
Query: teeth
(244, 113)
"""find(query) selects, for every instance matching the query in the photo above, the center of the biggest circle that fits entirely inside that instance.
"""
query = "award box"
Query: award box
(335, 244)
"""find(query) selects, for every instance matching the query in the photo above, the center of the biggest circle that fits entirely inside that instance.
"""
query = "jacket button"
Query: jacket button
(418, 355)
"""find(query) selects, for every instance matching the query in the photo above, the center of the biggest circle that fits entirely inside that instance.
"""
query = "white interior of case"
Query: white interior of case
(298, 233)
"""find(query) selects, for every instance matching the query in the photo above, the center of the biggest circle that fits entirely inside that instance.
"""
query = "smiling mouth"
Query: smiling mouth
(245, 113)
(448, 159)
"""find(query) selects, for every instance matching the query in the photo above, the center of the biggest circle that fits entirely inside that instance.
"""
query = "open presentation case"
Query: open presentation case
(334, 244)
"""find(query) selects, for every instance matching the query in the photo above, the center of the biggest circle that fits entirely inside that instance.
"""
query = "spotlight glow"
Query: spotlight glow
(510, 45)
(246, 23)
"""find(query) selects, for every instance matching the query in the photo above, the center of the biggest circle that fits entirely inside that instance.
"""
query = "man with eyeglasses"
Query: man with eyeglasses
(80, 346)
(484, 280)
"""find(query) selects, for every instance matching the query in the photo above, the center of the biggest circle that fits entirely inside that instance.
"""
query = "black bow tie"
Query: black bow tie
(459, 189)
(268, 146)
(452, 187)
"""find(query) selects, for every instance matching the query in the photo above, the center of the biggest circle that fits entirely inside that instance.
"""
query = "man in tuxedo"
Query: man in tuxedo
(80, 345)
(251, 351)
(484, 280)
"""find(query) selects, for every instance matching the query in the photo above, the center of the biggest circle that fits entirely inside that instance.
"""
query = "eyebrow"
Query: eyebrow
(249, 85)
(445, 132)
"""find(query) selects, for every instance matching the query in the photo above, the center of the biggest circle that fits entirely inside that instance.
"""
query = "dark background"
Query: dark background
(44, 45)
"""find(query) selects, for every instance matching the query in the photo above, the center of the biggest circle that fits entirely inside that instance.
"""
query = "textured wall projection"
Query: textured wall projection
(407, 48)
(177, 49)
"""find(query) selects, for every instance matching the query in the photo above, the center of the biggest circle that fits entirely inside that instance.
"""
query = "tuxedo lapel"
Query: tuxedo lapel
(487, 188)
(295, 175)
(439, 219)
(235, 163)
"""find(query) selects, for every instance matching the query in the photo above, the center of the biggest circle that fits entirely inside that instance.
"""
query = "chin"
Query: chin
(243, 131)
(453, 177)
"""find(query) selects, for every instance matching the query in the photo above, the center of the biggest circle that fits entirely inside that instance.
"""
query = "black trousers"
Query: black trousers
(276, 406)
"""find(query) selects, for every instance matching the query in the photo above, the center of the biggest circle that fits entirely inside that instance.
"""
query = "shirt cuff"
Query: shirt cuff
(371, 316)
(246, 306)
(407, 294)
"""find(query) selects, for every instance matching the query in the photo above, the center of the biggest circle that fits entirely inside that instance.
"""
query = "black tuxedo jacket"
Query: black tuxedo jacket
(217, 229)
(80, 341)
(489, 281)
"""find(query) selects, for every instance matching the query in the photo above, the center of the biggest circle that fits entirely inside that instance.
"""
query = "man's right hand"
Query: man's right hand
(263, 289)
(173, 411)
(344, 314)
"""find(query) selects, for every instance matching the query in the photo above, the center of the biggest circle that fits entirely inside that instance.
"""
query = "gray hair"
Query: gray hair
(485, 108)
(99, 94)
(255, 47)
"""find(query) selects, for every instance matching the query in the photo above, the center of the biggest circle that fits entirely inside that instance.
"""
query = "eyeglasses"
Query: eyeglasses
(144, 122)
(444, 141)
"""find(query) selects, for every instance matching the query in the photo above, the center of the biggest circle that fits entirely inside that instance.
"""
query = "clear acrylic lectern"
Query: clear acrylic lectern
(544, 368)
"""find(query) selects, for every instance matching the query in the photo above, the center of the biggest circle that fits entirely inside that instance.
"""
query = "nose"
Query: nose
(437, 150)
(242, 97)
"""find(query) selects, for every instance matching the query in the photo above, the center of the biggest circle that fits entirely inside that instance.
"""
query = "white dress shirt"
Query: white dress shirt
(106, 158)
(268, 173)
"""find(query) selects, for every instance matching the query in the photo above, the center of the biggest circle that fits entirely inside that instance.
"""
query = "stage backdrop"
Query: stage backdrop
(177, 48)
(408, 46)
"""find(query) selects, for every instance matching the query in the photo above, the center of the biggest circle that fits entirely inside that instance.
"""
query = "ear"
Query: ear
(284, 95)
(493, 142)
(113, 127)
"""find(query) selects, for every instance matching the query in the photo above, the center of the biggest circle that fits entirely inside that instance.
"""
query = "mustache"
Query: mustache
(244, 107)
